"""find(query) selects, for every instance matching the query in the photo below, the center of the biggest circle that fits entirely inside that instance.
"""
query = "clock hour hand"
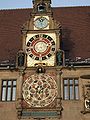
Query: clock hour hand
(41, 20)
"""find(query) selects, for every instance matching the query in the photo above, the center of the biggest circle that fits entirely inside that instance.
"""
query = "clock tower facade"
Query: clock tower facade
(40, 63)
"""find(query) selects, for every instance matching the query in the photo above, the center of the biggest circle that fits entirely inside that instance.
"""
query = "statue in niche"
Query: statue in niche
(59, 57)
(21, 58)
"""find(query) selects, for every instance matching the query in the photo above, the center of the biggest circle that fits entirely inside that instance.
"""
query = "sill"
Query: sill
(8, 101)
(71, 100)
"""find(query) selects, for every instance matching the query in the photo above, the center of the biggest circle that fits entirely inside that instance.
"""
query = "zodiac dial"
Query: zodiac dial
(40, 47)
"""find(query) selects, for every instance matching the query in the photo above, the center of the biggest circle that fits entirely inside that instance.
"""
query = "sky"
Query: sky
(14, 4)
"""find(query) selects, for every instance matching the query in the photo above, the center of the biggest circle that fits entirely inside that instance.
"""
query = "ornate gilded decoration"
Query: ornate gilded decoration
(86, 98)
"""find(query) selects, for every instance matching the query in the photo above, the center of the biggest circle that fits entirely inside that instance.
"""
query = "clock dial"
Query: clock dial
(40, 47)
(39, 90)
(41, 22)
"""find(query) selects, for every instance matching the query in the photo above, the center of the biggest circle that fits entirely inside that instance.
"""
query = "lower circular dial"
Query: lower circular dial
(39, 90)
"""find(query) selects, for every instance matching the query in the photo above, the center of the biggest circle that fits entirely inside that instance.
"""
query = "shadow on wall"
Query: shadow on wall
(67, 43)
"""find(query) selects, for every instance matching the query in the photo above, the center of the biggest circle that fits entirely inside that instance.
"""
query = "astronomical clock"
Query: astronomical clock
(40, 48)
(40, 88)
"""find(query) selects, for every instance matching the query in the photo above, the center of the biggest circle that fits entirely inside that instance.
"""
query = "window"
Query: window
(8, 90)
(70, 89)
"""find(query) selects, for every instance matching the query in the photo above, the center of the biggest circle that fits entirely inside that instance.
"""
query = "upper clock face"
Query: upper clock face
(41, 22)
(39, 90)
(40, 47)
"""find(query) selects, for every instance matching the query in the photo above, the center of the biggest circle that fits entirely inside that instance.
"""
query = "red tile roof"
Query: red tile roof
(75, 23)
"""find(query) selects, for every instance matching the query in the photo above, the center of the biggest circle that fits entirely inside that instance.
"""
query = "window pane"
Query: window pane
(76, 92)
(65, 92)
(14, 93)
(9, 82)
(3, 93)
(65, 82)
(70, 81)
(76, 81)
(14, 82)
(9, 94)
(71, 92)
(4, 82)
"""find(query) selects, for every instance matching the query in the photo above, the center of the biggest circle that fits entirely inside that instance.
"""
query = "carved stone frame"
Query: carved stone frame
(86, 96)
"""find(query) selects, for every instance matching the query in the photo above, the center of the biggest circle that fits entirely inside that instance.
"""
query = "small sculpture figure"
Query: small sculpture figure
(59, 57)
(21, 58)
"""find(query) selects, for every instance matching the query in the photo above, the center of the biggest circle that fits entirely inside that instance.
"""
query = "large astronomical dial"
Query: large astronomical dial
(39, 90)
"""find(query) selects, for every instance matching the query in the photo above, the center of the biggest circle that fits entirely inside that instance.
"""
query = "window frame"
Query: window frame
(7, 86)
(73, 85)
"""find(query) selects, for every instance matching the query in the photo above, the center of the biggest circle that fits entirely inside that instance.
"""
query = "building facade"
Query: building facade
(45, 70)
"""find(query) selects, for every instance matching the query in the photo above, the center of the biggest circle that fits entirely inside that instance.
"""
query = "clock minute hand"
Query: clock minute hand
(40, 20)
